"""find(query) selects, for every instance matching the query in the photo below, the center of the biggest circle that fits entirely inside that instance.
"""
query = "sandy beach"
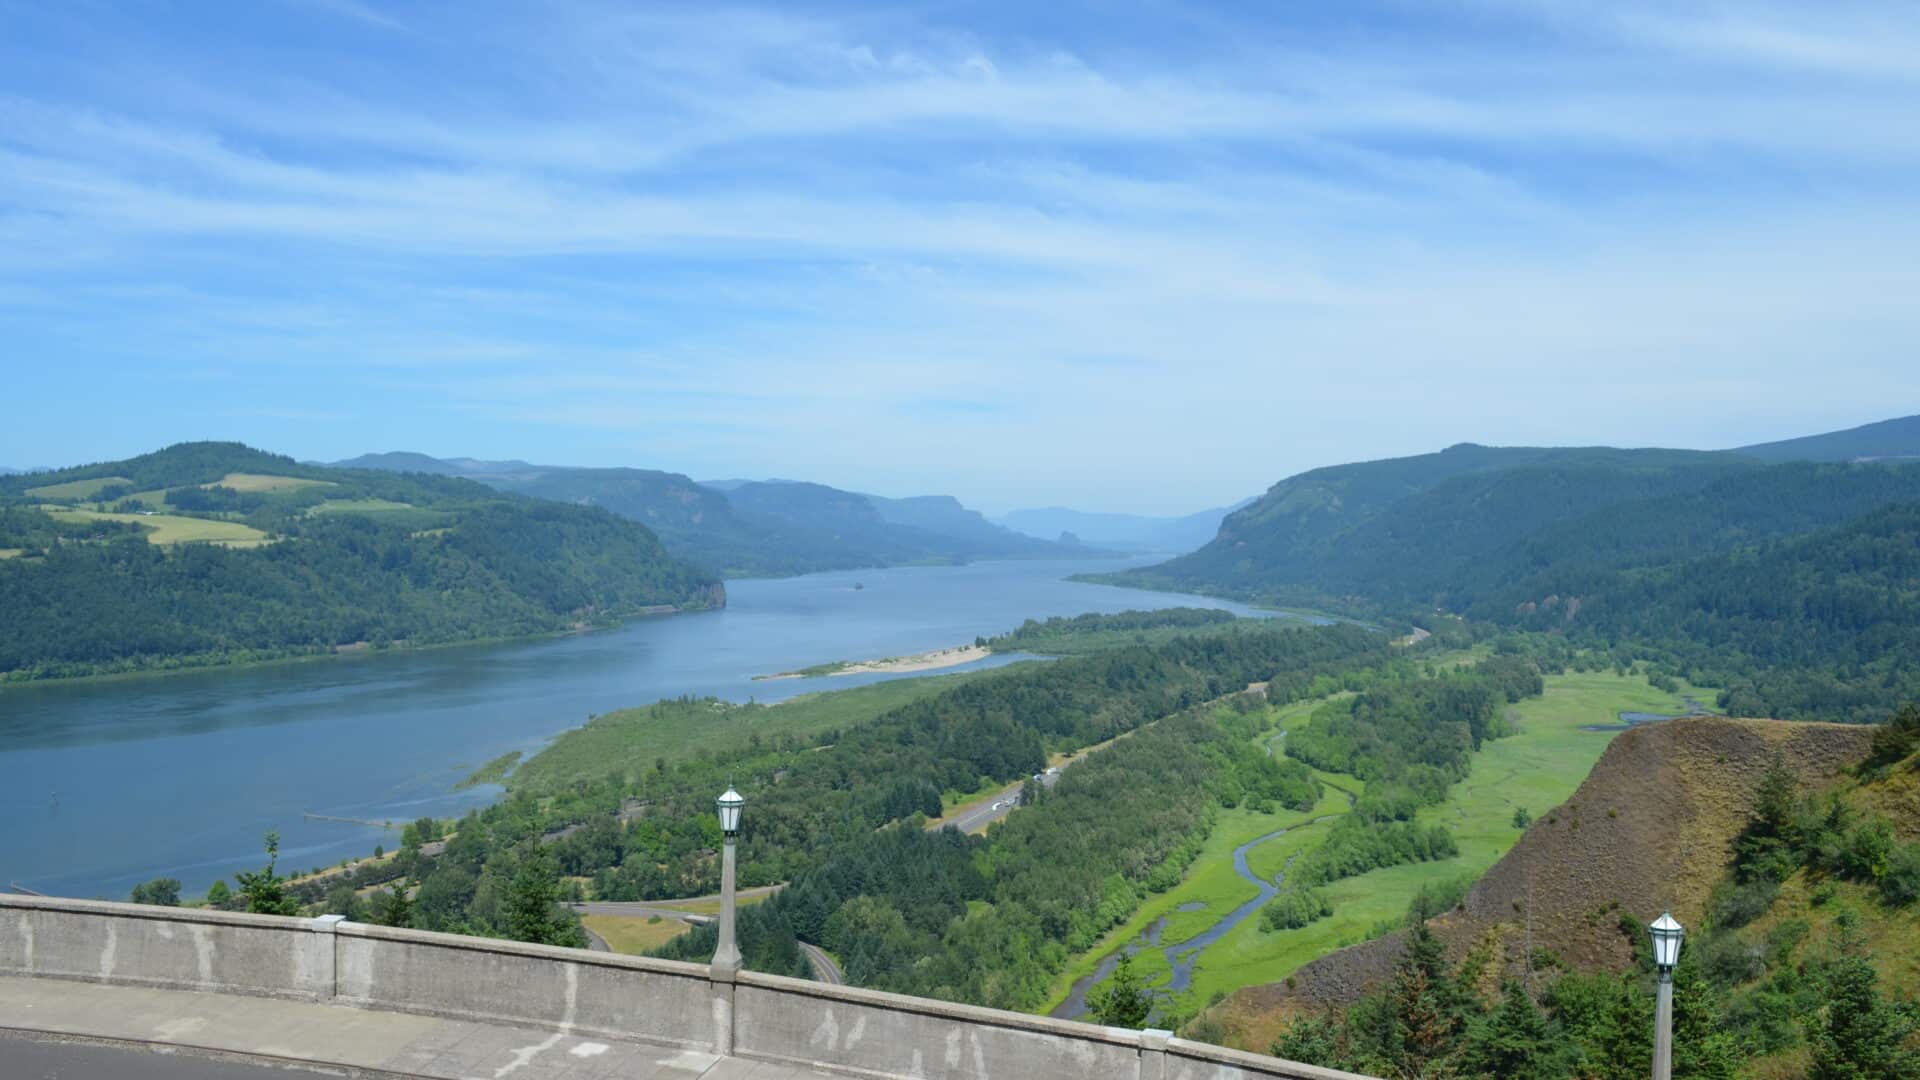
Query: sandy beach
(926, 661)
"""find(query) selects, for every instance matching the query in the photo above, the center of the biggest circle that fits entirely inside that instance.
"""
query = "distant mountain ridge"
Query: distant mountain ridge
(750, 528)
(1124, 532)
(1885, 440)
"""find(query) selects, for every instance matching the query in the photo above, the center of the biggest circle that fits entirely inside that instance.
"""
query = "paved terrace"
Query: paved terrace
(83, 982)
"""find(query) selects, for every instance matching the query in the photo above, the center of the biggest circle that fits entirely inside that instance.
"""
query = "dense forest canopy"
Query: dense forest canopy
(214, 552)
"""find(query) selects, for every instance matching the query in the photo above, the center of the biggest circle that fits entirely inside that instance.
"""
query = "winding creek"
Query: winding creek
(1183, 955)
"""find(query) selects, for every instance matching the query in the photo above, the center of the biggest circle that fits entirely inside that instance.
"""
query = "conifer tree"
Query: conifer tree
(1123, 1001)
(1859, 1034)
(1515, 1041)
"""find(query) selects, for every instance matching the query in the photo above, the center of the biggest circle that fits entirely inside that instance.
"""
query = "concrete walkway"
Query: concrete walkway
(277, 1032)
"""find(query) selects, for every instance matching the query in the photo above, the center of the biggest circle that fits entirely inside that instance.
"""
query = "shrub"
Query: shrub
(1901, 884)
(1733, 906)
(1868, 851)
(1294, 909)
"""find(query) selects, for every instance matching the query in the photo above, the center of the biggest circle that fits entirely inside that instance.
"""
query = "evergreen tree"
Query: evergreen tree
(1316, 1040)
(391, 908)
(1123, 1001)
(1424, 1005)
(1514, 1042)
(1613, 1025)
(1896, 738)
(531, 909)
(1702, 1049)
(1765, 849)
(1859, 1034)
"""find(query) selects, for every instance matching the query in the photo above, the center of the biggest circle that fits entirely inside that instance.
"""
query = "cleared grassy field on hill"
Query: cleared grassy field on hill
(359, 506)
(263, 482)
(172, 529)
(76, 489)
(1535, 769)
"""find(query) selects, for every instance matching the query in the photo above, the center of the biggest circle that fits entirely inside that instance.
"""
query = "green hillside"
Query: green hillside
(1790, 851)
(1886, 439)
(215, 552)
(1788, 584)
(1280, 540)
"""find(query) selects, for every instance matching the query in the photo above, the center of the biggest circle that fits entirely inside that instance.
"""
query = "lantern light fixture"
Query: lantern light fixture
(729, 806)
(1667, 934)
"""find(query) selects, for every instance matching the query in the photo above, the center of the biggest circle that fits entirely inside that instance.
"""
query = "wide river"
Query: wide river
(108, 783)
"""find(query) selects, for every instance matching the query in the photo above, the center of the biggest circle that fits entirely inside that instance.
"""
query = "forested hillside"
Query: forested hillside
(754, 528)
(1886, 439)
(1784, 583)
(1273, 541)
(215, 552)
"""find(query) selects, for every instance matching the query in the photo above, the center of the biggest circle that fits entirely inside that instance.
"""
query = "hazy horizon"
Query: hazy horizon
(1144, 262)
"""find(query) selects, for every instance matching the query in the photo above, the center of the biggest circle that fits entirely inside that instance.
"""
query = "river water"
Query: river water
(107, 783)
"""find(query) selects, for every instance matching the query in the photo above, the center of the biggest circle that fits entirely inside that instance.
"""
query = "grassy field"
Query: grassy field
(152, 500)
(359, 506)
(10, 553)
(76, 489)
(261, 482)
(172, 529)
(633, 936)
(632, 739)
(1537, 768)
(707, 907)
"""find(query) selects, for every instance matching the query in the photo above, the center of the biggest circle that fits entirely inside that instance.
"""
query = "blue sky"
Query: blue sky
(1142, 257)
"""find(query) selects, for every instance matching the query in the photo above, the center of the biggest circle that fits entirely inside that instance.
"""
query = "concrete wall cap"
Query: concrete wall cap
(947, 1010)
(582, 957)
(119, 910)
(1259, 1063)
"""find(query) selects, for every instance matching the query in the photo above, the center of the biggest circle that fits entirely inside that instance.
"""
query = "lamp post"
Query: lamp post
(1667, 934)
(726, 956)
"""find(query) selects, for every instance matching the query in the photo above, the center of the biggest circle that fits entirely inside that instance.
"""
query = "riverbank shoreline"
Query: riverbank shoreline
(934, 660)
(351, 651)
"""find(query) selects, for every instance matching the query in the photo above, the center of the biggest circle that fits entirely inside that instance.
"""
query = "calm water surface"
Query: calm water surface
(106, 784)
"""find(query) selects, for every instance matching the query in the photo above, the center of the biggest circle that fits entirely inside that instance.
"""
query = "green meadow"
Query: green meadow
(359, 506)
(76, 489)
(173, 529)
(238, 481)
(631, 740)
(1536, 768)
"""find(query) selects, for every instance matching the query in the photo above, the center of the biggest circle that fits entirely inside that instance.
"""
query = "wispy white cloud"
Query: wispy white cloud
(729, 238)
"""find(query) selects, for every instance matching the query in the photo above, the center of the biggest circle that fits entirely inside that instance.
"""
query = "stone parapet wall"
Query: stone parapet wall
(840, 1029)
